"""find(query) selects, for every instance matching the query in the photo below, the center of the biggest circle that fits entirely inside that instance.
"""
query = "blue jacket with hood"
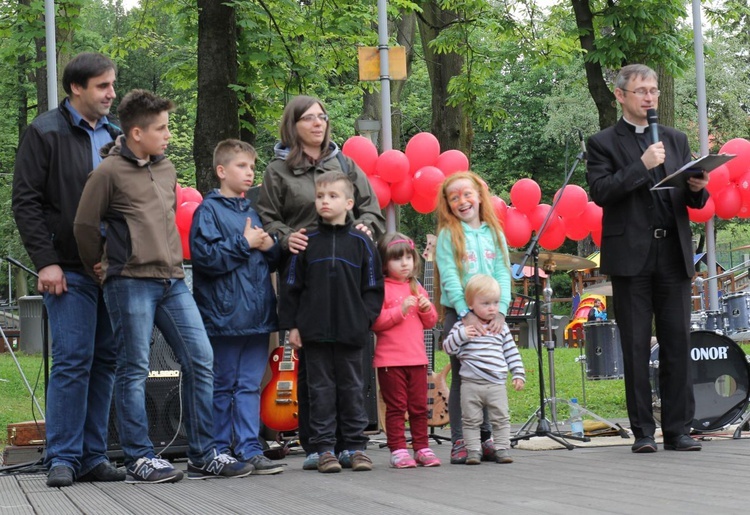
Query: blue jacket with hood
(231, 282)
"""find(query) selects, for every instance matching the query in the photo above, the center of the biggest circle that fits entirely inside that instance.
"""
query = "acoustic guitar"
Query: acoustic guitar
(437, 387)
(278, 402)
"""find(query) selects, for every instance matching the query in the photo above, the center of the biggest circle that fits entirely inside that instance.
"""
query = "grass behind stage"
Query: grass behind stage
(606, 397)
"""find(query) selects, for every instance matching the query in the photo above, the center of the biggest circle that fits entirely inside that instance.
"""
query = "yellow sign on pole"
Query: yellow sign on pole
(369, 63)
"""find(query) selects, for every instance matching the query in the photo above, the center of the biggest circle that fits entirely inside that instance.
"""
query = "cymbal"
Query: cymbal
(602, 288)
(551, 261)
(744, 247)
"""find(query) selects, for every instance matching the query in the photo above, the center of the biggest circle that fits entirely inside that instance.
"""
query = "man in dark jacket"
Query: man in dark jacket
(55, 156)
(647, 250)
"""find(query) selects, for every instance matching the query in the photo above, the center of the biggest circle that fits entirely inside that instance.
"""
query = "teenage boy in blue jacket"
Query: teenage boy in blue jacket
(233, 258)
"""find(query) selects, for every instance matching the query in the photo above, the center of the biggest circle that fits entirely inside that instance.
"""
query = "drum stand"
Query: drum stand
(742, 423)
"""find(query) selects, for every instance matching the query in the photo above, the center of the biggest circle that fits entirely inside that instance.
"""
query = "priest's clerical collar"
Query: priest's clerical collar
(638, 129)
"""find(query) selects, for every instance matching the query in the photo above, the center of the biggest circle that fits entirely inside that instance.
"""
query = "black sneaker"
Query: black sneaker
(59, 476)
(222, 465)
(264, 467)
(105, 471)
(152, 470)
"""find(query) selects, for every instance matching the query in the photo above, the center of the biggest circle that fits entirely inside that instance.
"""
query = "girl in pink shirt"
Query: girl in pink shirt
(400, 355)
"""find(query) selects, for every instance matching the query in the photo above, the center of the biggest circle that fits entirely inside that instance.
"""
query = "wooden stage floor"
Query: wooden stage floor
(590, 480)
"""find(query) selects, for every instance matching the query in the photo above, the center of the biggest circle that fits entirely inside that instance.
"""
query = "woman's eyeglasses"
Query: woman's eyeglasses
(311, 117)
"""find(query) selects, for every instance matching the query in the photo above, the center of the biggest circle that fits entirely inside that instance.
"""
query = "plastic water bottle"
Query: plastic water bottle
(576, 422)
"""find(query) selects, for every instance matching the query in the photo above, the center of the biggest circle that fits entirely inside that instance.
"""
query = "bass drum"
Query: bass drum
(721, 380)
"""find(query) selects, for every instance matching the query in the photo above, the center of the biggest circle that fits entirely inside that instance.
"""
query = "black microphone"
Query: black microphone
(583, 145)
(653, 120)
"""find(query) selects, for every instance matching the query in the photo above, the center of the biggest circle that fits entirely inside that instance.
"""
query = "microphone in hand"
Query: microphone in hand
(653, 125)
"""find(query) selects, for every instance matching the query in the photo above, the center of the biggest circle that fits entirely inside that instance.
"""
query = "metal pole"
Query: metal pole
(700, 77)
(385, 99)
(49, 32)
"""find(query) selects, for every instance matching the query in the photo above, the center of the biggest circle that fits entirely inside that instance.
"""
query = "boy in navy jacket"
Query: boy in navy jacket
(332, 293)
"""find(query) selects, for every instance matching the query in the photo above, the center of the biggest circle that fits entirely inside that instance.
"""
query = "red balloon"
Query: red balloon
(703, 214)
(422, 150)
(718, 179)
(575, 229)
(392, 166)
(728, 202)
(537, 216)
(403, 191)
(500, 207)
(525, 195)
(517, 228)
(185, 239)
(382, 190)
(744, 186)
(572, 201)
(597, 237)
(191, 195)
(362, 151)
(184, 216)
(427, 181)
(178, 194)
(554, 234)
(452, 161)
(741, 164)
(592, 217)
(424, 205)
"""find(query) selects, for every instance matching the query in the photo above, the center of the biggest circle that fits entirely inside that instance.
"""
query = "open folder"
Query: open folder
(693, 168)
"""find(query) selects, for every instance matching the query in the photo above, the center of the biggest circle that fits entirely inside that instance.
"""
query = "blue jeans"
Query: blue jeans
(79, 392)
(135, 306)
(239, 364)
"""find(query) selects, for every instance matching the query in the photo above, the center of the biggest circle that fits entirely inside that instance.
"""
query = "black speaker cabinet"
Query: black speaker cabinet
(163, 405)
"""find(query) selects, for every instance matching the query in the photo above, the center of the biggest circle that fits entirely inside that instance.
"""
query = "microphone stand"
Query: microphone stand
(543, 425)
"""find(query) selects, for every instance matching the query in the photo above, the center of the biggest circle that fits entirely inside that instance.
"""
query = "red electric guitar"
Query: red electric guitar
(278, 402)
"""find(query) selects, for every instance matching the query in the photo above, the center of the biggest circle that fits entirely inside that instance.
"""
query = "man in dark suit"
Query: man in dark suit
(647, 251)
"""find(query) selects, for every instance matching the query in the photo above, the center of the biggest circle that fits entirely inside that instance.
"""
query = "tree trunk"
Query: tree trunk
(449, 125)
(216, 116)
(666, 98)
(600, 92)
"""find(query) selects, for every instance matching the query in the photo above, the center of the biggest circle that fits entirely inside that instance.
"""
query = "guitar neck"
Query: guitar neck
(428, 284)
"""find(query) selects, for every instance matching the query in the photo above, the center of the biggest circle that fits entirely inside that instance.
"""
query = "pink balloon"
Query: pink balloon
(572, 201)
(422, 150)
(592, 217)
(382, 190)
(575, 229)
(452, 161)
(537, 216)
(517, 228)
(392, 166)
(191, 195)
(184, 215)
(728, 202)
(362, 151)
(718, 178)
(741, 164)
(178, 194)
(403, 191)
(703, 214)
(427, 181)
(500, 207)
(525, 195)
(424, 205)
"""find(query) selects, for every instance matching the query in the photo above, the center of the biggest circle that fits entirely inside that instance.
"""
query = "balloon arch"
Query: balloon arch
(415, 176)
